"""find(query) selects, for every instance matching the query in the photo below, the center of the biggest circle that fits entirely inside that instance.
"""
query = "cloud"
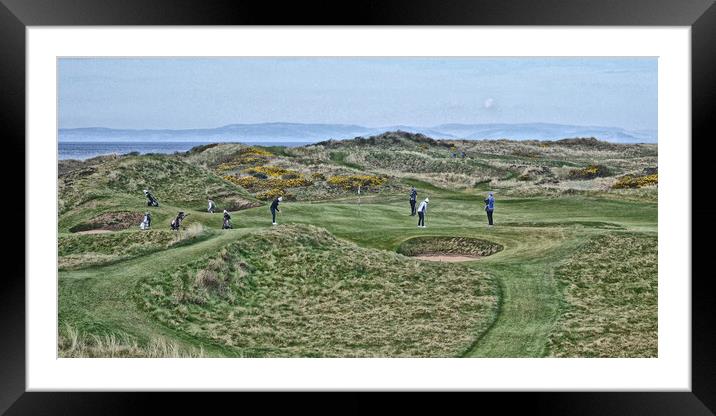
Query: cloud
(489, 103)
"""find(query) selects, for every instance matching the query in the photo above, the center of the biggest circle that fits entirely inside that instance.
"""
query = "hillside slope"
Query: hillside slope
(171, 180)
(299, 291)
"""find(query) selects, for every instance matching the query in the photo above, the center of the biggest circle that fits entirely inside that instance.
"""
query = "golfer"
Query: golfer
(212, 206)
(413, 198)
(274, 209)
(489, 207)
(422, 210)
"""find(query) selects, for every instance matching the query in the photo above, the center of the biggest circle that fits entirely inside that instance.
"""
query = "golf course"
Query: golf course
(569, 268)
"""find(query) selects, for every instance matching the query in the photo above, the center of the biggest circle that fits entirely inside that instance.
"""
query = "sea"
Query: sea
(87, 150)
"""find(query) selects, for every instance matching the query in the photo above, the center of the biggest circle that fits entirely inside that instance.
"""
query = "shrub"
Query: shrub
(255, 151)
(531, 154)
(286, 183)
(590, 172)
(631, 181)
(207, 279)
(274, 193)
(245, 156)
(244, 181)
(254, 184)
(353, 181)
(267, 170)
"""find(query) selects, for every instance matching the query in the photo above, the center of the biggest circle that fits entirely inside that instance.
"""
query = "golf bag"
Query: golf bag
(151, 200)
(176, 222)
(227, 224)
(146, 223)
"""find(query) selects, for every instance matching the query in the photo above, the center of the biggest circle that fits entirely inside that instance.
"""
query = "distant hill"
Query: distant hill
(317, 132)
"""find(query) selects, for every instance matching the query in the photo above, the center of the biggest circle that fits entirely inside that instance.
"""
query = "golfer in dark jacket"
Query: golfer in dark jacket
(413, 197)
(489, 207)
(274, 209)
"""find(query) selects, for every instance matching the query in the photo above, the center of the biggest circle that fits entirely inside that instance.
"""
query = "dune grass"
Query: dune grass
(72, 344)
(609, 303)
(171, 180)
(298, 291)
(82, 250)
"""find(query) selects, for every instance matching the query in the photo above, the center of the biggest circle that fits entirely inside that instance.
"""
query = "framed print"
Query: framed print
(220, 208)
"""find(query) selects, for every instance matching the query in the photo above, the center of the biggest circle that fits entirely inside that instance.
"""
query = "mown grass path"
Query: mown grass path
(99, 299)
(537, 234)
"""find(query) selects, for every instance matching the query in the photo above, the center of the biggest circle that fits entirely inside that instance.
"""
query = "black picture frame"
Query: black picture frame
(700, 15)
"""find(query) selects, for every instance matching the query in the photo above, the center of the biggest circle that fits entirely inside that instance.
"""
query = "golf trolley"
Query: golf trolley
(151, 200)
(176, 222)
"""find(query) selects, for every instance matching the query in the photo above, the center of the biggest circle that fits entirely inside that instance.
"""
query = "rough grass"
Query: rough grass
(297, 291)
(610, 299)
(73, 344)
(465, 246)
(113, 221)
(171, 180)
(82, 250)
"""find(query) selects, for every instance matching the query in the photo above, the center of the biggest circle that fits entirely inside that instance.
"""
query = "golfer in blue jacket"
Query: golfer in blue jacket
(489, 207)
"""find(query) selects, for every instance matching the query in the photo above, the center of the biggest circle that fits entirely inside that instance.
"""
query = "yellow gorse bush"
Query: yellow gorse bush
(254, 184)
(288, 183)
(229, 166)
(353, 181)
(268, 170)
(630, 181)
(247, 156)
(589, 172)
(244, 181)
(274, 193)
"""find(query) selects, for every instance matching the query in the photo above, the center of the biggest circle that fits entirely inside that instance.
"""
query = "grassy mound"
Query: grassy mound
(112, 221)
(172, 181)
(82, 250)
(298, 291)
(610, 299)
(463, 246)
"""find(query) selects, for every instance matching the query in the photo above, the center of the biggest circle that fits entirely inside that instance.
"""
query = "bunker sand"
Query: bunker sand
(446, 258)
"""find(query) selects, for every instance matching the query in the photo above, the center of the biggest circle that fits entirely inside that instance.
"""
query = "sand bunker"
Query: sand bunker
(447, 258)
(94, 232)
(448, 249)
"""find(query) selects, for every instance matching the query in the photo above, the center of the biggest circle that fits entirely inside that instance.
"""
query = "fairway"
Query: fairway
(329, 280)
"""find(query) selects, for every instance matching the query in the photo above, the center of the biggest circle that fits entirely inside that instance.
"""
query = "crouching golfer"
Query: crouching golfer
(274, 209)
(422, 210)
(489, 207)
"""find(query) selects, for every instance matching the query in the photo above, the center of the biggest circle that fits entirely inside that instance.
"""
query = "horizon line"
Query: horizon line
(357, 125)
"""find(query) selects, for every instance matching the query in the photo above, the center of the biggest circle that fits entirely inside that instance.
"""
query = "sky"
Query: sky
(184, 93)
